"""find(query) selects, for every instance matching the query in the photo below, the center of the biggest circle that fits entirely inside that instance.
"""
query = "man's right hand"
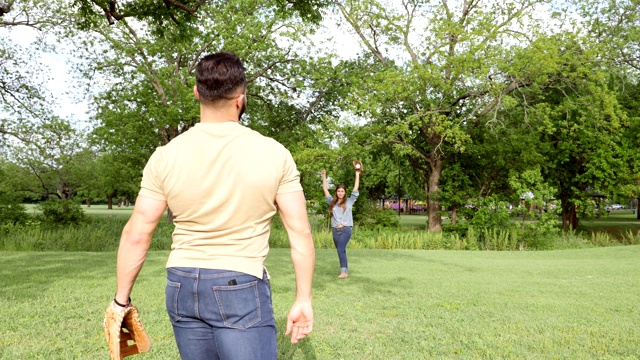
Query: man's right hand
(299, 321)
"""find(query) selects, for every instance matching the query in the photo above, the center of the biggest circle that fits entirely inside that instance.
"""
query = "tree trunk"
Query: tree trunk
(565, 205)
(569, 215)
(454, 215)
(170, 216)
(110, 202)
(435, 220)
(88, 203)
(574, 218)
(638, 209)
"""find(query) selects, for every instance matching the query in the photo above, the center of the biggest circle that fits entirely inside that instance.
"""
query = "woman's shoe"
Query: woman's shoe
(343, 276)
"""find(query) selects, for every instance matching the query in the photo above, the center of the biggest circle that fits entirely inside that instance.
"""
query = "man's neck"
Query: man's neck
(218, 115)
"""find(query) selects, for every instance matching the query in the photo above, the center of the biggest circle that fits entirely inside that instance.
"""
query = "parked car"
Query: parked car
(614, 207)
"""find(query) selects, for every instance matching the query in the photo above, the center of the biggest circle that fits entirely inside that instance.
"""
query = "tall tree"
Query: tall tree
(579, 122)
(614, 29)
(55, 156)
(150, 75)
(439, 67)
(629, 98)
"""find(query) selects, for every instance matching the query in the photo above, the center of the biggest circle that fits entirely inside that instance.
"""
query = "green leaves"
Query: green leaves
(435, 81)
(472, 99)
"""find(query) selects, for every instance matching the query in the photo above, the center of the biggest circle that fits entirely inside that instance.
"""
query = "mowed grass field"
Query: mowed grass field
(397, 304)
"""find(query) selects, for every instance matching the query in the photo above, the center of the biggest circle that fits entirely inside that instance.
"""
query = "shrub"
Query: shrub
(371, 216)
(11, 210)
(542, 233)
(601, 239)
(490, 214)
(63, 212)
(13, 214)
(630, 239)
(569, 240)
(95, 234)
(459, 228)
(501, 239)
(455, 241)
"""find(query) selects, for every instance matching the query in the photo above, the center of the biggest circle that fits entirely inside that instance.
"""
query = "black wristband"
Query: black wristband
(117, 303)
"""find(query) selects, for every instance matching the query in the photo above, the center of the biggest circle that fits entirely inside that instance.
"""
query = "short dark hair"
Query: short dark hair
(219, 76)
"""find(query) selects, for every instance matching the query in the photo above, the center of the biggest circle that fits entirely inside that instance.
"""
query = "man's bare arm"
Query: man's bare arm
(293, 211)
(135, 242)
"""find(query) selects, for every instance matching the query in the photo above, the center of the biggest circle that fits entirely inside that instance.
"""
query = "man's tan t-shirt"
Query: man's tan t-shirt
(220, 180)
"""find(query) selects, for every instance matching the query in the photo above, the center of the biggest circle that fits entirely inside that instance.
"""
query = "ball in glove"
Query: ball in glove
(357, 165)
(124, 332)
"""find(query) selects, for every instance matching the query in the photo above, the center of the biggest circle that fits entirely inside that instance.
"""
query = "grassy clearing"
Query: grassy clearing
(397, 304)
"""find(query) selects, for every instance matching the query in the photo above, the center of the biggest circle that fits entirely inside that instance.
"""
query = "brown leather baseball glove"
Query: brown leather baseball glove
(124, 331)
(357, 165)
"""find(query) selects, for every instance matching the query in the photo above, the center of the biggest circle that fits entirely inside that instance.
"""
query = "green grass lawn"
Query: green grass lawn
(617, 223)
(97, 210)
(397, 304)
(414, 222)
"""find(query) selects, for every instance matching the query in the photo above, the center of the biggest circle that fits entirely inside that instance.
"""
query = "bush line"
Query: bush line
(103, 234)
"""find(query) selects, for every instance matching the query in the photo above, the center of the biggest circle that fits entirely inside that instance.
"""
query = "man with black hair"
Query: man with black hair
(218, 294)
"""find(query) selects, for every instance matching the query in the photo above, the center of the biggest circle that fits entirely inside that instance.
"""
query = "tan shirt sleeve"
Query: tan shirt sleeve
(151, 185)
(291, 176)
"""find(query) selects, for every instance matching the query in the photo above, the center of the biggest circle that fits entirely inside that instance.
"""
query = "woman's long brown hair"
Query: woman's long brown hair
(335, 200)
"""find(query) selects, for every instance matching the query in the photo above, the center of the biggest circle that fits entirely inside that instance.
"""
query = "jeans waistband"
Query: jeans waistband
(206, 273)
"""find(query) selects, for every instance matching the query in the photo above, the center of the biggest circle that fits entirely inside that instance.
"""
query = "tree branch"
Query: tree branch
(416, 150)
(168, 6)
(280, 81)
(515, 84)
(457, 100)
(267, 68)
(113, 15)
(7, 91)
(313, 104)
(153, 76)
(373, 49)
(196, 58)
(183, 7)
(405, 32)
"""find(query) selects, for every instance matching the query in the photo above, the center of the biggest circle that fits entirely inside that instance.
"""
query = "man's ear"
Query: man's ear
(195, 92)
(240, 101)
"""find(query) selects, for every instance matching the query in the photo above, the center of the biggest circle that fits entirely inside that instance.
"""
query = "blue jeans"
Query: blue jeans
(221, 314)
(341, 237)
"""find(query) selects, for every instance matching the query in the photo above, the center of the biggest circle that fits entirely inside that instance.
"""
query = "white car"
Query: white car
(614, 207)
